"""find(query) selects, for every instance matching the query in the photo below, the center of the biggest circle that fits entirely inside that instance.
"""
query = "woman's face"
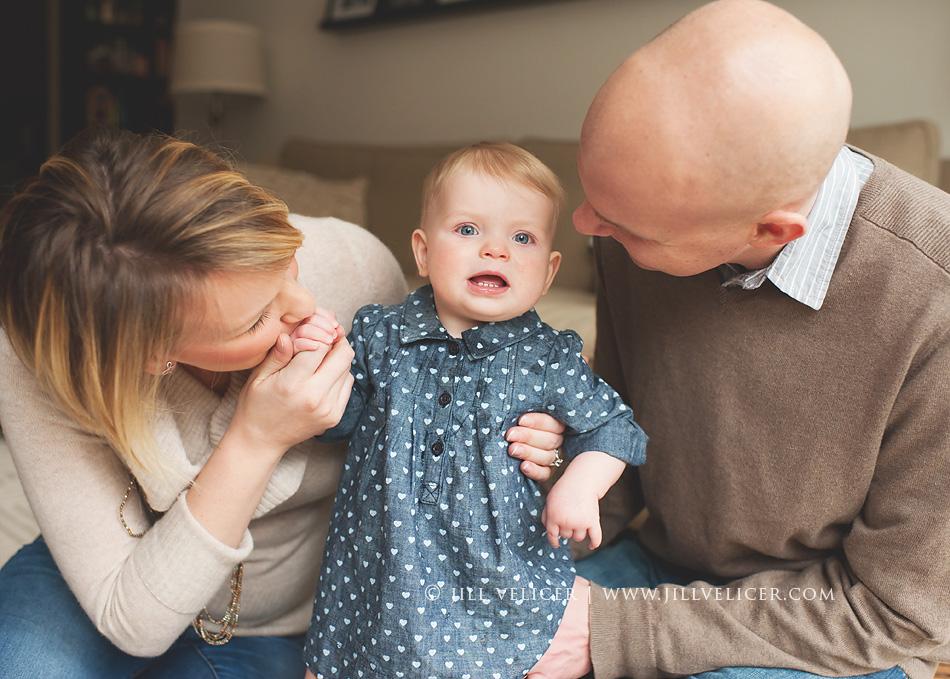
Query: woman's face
(239, 317)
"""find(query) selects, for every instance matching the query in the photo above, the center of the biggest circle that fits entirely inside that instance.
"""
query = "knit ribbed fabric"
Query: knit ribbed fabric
(803, 454)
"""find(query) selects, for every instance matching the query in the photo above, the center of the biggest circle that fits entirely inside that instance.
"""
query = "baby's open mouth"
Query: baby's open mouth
(489, 281)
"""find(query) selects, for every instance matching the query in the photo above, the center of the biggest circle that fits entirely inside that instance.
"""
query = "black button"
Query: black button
(445, 398)
(454, 349)
(437, 448)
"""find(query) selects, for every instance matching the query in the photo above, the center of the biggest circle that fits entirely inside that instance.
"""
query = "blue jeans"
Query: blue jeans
(45, 633)
(626, 564)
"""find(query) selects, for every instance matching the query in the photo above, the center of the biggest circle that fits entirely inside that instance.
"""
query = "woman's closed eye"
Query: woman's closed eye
(260, 323)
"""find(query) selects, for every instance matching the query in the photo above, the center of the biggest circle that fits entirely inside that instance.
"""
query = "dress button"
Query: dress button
(445, 398)
(437, 448)
(454, 348)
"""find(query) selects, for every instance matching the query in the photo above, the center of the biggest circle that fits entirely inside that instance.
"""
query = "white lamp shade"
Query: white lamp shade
(217, 56)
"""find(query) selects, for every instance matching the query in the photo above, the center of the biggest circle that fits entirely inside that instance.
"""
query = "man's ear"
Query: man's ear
(554, 262)
(421, 252)
(778, 228)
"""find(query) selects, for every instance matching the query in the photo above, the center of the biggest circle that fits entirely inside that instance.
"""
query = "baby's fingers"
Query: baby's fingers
(551, 527)
(596, 535)
(325, 314)
(305, 344)
(576, 534)
(320, 332)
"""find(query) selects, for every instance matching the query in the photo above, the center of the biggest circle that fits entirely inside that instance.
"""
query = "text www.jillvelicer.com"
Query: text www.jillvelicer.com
(519, 595)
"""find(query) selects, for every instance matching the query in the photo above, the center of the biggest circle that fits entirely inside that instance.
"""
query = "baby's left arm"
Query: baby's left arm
(572, 509)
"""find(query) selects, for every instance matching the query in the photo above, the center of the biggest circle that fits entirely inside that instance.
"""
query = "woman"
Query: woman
(160, 423)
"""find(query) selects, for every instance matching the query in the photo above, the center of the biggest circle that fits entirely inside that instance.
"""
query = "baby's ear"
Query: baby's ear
(554, 262)
(421, 252)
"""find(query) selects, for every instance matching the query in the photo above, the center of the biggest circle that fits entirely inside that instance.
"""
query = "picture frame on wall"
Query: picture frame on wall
(348, 10)
(342, 14)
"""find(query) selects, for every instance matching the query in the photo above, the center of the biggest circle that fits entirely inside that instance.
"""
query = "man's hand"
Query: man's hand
(569, 654)
(536, 440)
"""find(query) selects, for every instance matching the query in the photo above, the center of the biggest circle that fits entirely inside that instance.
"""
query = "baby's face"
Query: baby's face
(486, 248)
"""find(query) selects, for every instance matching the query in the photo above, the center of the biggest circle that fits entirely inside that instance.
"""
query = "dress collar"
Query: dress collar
(421, 322)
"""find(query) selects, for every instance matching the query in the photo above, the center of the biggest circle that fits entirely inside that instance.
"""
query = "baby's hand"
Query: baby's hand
(572, 511)
(318, 330)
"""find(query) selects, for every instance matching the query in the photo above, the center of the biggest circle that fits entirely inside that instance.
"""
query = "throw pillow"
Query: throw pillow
(307, 194)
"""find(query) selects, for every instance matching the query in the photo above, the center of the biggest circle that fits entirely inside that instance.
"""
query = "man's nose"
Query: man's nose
(587, 222)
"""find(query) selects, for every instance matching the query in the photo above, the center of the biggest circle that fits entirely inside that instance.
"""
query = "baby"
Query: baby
(436, 562)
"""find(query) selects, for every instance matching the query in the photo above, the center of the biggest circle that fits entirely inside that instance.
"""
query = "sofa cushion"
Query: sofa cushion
(911, 145)
(395, 175)
(313, 196)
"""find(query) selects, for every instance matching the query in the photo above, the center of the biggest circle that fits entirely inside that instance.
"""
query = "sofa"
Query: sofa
(380, 186)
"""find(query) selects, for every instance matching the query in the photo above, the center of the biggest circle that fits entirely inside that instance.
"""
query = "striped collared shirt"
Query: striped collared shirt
(803, 269)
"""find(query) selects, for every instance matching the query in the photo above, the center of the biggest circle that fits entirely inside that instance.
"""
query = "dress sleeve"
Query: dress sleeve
(360, 337)
(141, 593)
(595, 415)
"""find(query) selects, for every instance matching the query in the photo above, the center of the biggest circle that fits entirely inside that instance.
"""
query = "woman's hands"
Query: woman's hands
(536, 440)
(298, 391)
(301, 388)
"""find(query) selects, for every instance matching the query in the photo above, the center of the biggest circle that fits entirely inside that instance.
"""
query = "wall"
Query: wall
(532, 70)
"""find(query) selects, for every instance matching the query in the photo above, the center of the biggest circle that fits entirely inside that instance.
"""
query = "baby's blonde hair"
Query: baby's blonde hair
(102, 253)
(500, 160)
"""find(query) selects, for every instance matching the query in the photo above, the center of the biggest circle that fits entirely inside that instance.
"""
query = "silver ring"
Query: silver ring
(558, 460)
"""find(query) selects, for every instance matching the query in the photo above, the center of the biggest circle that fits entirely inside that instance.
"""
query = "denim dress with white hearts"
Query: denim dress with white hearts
(437, 564)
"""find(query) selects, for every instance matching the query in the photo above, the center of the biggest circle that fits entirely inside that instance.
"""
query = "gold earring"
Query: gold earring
(169, 368)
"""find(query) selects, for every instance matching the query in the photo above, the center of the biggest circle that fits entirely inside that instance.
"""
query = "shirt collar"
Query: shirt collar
(420, 322)
(803, 269)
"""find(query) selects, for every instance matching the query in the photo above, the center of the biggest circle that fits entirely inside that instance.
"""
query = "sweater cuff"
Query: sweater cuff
(621, 634)
(183, 565)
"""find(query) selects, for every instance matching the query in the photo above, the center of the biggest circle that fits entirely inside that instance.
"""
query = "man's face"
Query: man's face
(631, 204)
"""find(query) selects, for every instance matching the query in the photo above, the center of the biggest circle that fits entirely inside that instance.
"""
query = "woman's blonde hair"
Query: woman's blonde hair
(500, 160)
(100, 255)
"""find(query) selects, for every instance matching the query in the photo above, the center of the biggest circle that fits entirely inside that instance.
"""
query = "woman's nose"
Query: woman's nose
(298, 303)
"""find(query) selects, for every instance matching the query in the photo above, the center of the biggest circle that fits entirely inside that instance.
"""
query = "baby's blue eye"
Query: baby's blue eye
(467, 230)
(523, 238)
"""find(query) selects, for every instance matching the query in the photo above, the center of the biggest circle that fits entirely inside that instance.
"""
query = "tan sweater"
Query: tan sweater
(804, 452)
(142, 593)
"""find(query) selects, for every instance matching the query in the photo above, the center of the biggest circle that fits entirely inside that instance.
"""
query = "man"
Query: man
(776, 309)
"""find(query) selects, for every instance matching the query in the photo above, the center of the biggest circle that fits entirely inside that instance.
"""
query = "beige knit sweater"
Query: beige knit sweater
(142, 593)
(793, 453)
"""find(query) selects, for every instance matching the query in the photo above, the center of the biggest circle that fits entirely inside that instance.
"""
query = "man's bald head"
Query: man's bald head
(735, 110)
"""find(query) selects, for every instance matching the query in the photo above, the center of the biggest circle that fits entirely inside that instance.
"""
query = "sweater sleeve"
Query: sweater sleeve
(883, 601)
(140, 593)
